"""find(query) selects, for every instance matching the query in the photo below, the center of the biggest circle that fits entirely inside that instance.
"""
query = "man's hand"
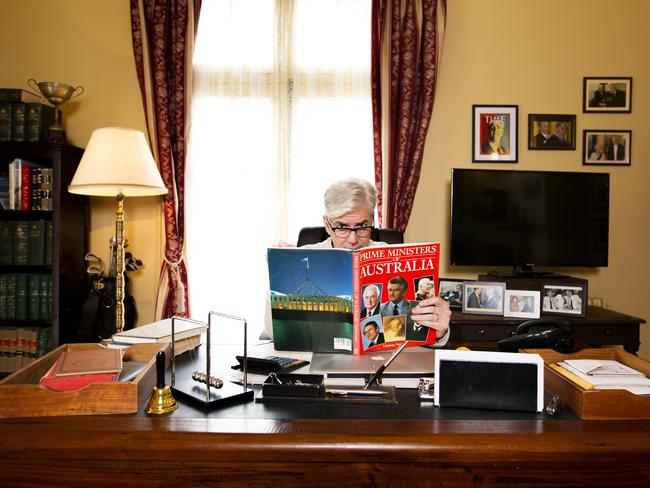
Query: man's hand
(434, 313)
(284, 244)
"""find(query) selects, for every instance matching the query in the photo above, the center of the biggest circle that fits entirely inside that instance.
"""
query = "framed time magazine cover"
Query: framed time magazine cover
(494, 137)
(607, 95)
(606, 147)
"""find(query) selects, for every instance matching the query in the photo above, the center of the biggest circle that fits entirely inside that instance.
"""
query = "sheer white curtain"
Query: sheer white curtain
(281, 109)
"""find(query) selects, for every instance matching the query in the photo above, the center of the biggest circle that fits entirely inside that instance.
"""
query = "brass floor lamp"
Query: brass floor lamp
(118, 163)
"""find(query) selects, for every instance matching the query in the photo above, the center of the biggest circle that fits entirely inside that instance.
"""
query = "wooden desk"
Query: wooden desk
(600, 327)
(255, 445)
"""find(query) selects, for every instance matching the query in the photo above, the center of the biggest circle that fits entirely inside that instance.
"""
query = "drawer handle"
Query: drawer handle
(481, 331)
(608, 332)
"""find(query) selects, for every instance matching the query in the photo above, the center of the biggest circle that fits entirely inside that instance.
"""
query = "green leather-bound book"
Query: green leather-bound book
(3, 296)
(5, 121)
(7, 242)
(18, 121)
(11, 296)
(20, 242)
(45, 298)
(38, 118)
(36, 235)
(34, 297)
(21, 296)
(43, 341)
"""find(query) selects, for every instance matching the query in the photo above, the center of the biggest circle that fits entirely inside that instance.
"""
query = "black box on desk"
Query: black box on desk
(489, 380)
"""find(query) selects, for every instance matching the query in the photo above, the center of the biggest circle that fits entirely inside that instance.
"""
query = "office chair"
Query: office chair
(313, 235)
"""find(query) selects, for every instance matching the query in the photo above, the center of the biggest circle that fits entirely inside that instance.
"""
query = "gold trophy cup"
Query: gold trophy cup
(57, 94)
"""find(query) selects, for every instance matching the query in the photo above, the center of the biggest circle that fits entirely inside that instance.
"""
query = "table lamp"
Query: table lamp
(118, 163)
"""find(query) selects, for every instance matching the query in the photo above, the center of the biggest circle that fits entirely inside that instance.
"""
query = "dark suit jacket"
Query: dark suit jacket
(416, 335)
(374, 311)
(556, 141)
(380, 340)
(620, 153)
(386, 309)
(617, 99)
(472, 301)
(599, 98)
(540, 140)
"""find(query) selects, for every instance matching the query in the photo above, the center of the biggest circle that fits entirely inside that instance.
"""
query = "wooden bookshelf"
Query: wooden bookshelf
(69, 217)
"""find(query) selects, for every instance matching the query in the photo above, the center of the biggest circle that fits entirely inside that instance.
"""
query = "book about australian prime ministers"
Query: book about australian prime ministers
(354, 302)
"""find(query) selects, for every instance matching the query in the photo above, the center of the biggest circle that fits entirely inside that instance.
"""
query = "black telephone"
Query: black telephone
(541, 333)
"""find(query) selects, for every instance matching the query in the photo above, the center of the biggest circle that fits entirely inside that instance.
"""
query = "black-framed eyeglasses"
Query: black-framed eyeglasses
(361, 231)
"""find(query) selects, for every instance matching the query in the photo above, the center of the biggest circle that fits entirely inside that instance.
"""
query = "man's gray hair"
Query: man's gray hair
(373, 288)
(348, 195)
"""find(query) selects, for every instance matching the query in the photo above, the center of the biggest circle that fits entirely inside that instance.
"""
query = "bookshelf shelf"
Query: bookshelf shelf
(69, 240)
(25, 215)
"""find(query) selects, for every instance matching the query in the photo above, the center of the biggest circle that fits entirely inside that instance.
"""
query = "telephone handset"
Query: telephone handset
(556, 333)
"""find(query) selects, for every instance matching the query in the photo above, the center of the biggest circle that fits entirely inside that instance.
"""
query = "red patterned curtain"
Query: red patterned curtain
(163, 38)
(406, 35)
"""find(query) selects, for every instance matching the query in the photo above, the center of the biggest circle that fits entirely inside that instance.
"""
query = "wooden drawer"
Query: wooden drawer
(483, 332)
(601, 334)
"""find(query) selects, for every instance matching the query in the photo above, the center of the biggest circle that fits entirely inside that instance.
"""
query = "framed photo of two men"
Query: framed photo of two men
(613, 95)
(607, 147)
(551, 131)
(494, 129)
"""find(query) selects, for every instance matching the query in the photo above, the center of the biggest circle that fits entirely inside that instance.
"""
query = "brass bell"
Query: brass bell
(161, 400)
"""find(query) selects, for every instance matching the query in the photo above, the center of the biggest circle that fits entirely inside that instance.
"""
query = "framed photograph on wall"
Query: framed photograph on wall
(564, 298)
(522, 303)
(551, 131)
(607, 147)
(451, 291)
(494, 129)
(607, 95)
(483, 297)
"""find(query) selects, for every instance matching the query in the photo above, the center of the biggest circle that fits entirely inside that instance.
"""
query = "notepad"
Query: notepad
(613, 380)
(603, 368)
(90, 361)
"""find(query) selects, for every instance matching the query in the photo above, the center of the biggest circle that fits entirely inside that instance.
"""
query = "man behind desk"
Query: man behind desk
(349, 220)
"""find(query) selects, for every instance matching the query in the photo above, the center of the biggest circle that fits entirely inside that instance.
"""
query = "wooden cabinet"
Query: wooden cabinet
(599, 327)
(69, 239)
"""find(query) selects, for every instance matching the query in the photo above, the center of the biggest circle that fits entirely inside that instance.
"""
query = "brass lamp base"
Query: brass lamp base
(161, 401)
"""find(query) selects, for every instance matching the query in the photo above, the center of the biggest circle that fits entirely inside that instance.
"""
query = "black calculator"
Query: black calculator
(270, 364)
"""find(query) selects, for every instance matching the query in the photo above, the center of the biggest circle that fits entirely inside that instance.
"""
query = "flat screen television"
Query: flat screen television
(529, 218)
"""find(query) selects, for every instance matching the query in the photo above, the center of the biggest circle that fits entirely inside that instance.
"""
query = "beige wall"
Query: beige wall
(514, 52)
(501, 52)
(88, 43)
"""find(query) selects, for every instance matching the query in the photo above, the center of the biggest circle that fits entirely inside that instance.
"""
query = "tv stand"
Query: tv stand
(524, 274)
(599, 327)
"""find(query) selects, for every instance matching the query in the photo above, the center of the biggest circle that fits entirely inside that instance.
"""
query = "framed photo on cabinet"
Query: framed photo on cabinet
(568, 298)
(483, 297)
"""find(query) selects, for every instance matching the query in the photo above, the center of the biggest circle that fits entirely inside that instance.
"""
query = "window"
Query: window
(281, 109)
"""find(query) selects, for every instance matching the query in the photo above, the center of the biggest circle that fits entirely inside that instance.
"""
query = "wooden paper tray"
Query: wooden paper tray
(592, 404)
(22, 396)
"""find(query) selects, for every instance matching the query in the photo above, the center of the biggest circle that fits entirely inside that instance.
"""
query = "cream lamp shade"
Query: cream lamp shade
(117, 161)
